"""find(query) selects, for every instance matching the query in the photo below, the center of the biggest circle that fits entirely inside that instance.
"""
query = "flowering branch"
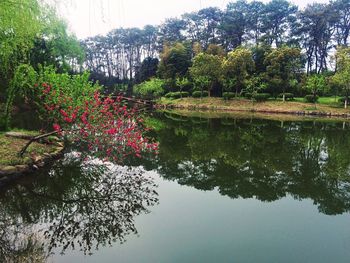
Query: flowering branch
(104, 127)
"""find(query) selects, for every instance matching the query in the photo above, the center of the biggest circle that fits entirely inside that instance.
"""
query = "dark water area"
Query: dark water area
(220, 190)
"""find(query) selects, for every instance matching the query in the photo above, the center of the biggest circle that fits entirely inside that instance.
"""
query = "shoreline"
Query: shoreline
(245, 106)
(41, 155)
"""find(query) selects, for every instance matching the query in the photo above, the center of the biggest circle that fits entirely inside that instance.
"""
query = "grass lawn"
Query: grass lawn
(333, 101)
(10, 147)
(326, 105)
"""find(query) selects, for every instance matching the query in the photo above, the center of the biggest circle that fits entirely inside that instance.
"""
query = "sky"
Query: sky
(93, 17)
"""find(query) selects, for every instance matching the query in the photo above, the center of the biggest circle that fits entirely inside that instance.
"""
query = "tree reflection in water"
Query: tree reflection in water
(254, 158)
(76, 205)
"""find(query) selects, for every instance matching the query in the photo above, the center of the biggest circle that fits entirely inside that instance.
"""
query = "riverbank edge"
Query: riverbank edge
(175, 104)
(10, 173)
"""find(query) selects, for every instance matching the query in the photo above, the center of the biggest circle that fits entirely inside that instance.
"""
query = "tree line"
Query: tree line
(317, 29)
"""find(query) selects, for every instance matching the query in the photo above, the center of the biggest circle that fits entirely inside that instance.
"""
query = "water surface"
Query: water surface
(220, 190)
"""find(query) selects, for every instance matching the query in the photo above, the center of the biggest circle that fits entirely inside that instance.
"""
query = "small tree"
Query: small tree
(103, 127)
(206, 68)
(283, 64)
(181, 83)
(315, 84)
(236, 68)
(342, 77)
(150, 89)
(202, 82)
(254, 86)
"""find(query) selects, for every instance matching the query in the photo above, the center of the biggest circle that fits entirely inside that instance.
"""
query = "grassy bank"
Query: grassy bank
(327, 106)
(11, 146)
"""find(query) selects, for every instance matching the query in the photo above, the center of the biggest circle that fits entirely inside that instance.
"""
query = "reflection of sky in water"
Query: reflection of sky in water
(203, 226)
(253, 191)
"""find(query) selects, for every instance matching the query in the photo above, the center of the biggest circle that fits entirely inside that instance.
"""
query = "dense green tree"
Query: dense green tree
(279, 15)
(236, 68)
(206, 68)
(147, 70)
(171, 31)
(55, 46)
(234, 25)
(19, 25)
(316, 84)
(316, 29)
(283, 65)
(150, 89)
(342, 76)
(342, 9)
(174, 61)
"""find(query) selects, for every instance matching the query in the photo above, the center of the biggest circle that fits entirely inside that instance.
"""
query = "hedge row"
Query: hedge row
(177, 95)
(311, 98)
(199, 94)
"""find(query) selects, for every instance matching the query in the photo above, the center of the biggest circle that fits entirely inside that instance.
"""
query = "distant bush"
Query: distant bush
(311, 98)
(177, 95)
(184, 94)
(228, 95)
(198, 94)
(247, 95)
(261, 96)
(169, 95)
(150, 89)
(342, 100)
(288, 96)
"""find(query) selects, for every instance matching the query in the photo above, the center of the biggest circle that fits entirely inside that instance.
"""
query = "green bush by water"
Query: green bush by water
(198, 94)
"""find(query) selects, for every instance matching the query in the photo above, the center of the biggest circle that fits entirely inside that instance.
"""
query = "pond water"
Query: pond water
(221, 190)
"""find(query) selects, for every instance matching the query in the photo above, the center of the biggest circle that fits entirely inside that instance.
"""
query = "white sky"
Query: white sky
(93, 17)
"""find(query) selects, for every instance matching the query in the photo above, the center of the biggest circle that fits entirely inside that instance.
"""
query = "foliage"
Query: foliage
(342, 76)
(106, 128)
(311, 98)
(147, 70)
(19, 25)
(287, 96)
(316, 84)
(174, 61)
(206, 70)
(261, 96)
(282, 66)
(177, 95)
(55, 46)
(254, 86)
(21, 87)
(150, 89)
(228, 95)
(200, 94)
(182, 83)
(236, 68)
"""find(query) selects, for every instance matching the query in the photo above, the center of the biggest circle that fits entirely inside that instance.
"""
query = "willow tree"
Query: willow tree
(19, 25)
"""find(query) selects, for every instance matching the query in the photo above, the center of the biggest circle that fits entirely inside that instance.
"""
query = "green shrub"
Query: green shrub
(287, 96)
(198, 94)
(247, 95)
(169, 95)
(184, 94)
(261, 96)
(150, 89)
(311, 98)
(342, 100)
(177, 95)
(228, 95)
